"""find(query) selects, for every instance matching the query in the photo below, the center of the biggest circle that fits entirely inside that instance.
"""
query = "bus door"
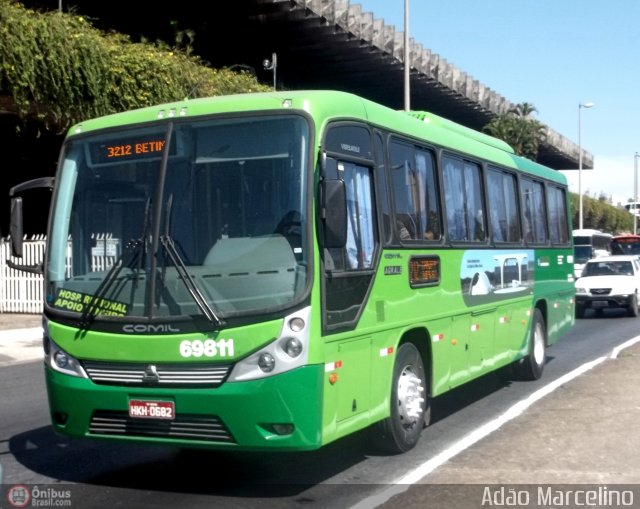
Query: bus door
(348, 269)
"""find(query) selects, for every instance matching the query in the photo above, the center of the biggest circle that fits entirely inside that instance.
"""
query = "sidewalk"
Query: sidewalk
(19, 321)
(20, 338)
(583, 433)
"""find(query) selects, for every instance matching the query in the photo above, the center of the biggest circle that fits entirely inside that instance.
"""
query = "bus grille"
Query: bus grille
(186, 427)
(157, 375)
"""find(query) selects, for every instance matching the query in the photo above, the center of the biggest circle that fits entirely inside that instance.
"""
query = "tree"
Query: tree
(600, 215)
(58, 69)
(519, 129)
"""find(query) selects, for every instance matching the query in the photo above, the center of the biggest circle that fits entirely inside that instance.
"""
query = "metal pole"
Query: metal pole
(271, 65)
(580, 106)
(274, 60)
(579, 167)
(635, 193)
(407, 58)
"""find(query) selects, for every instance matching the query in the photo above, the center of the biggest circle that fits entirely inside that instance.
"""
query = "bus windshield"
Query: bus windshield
(182, 219)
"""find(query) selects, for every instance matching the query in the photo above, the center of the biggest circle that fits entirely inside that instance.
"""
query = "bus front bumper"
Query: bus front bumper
(282, 412)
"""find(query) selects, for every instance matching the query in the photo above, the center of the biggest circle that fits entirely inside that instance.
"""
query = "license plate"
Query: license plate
(139, 409)
(600, 304)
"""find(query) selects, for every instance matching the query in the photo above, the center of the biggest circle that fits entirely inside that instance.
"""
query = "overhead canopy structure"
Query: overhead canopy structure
(330, 44)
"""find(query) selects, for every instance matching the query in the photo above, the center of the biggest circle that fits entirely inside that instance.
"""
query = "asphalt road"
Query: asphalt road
(342, 474)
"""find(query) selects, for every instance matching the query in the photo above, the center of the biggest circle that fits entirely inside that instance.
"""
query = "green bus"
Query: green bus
(276, 271)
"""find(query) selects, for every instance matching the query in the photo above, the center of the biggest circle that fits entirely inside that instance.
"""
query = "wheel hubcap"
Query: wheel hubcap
(538, 345)
(410, 397)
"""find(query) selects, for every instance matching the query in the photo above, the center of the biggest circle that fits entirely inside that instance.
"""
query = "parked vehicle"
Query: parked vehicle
(609, 282)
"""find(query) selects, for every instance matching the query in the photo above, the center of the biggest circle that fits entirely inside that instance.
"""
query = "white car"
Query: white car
(609, 282)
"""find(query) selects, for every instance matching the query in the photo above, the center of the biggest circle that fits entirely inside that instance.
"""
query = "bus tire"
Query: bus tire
(531, 366)
(409, 405)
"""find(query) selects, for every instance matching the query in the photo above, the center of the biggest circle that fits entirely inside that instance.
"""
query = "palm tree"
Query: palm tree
(519, 129)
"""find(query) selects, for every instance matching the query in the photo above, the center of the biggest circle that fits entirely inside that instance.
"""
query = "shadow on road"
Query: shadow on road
(170, 469)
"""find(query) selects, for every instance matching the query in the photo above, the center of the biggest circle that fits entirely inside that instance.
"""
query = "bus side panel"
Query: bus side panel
(555, 288)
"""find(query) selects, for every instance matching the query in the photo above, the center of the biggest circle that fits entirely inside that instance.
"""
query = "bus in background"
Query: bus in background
(276, 271)
(626, 244)
(589, 244)
(633, 208)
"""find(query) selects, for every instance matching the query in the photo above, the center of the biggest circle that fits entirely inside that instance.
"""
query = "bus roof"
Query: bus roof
(587, 232)
(325, 106)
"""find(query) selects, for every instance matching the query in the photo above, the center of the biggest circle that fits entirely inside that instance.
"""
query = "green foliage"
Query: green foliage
(61, 70)
(519, 129)
(599, 215)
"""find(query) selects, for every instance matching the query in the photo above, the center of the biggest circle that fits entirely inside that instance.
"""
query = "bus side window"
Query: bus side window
(416, 206)
(557, 215)
(534, 211)
(361, 221)
(463, 200)
(503, 212)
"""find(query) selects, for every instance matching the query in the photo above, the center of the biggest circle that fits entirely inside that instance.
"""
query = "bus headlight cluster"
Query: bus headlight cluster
(61, 361)
(288, 351)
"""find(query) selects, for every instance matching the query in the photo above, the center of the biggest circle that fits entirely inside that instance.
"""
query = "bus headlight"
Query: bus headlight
(293, 347)
(266, 362)
(59, 360)
(290, 350)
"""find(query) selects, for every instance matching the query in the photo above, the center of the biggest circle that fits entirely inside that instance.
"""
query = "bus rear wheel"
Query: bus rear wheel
(409, 406)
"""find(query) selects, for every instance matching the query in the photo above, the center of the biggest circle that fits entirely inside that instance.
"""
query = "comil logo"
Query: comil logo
(19, 495)
(150, 328)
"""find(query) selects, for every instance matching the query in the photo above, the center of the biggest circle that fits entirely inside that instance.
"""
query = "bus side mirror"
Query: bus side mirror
(15, 228)
(334, 213)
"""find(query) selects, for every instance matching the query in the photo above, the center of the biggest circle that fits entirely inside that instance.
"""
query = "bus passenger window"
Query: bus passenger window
(463, 200)
(417, 210)
(505, 222)
(534, 211)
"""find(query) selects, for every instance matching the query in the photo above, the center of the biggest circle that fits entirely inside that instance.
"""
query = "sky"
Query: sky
(554, 54)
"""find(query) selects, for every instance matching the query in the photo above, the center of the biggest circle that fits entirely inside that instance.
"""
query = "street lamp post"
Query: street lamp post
(580, 106)
(407, 59)
(635, 193)
(271, 65)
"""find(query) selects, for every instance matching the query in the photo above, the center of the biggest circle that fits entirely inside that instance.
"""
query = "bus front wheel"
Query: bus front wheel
(409, 411)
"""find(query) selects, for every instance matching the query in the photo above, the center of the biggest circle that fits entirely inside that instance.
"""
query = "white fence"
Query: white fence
(22, 292)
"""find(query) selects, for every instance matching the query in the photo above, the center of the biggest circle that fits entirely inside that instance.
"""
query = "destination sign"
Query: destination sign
(128, 149)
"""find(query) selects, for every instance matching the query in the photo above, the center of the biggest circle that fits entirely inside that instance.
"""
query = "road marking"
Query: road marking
(402, 484)
(623, 346)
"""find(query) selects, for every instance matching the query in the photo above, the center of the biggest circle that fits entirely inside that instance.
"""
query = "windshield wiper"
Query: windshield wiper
(133, 252)
(196, 294)
(169, 247)
(130, 253)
